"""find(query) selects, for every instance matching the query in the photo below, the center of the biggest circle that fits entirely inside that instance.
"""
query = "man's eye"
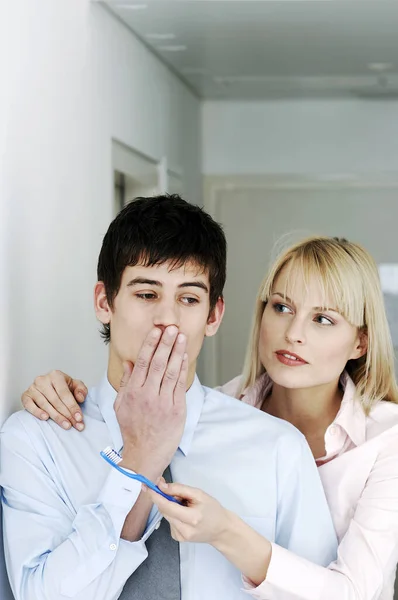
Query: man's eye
(189, 300)
(146, 296)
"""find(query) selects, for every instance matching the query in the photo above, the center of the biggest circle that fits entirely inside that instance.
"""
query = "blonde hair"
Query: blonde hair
(349, 278)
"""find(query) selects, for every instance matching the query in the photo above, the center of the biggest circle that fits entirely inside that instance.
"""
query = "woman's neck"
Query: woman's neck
(311, 410)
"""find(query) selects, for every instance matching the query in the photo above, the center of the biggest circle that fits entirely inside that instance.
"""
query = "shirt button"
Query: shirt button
(113, 547)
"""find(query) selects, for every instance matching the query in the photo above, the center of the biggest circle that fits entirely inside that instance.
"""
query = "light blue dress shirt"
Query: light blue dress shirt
(5, 590)
(64, 507)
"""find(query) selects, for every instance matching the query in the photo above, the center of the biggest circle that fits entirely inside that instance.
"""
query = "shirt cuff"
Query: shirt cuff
(288, 577)
(118, 496)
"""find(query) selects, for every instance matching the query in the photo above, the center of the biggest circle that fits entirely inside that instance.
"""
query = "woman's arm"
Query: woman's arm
(203, 519)
(249, 551)
(56, 396)
(367, 555)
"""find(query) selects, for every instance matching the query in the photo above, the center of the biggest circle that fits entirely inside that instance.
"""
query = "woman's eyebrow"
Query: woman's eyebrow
(283, 296)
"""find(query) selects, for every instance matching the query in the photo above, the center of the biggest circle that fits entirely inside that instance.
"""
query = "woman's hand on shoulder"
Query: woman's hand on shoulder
(56, 396)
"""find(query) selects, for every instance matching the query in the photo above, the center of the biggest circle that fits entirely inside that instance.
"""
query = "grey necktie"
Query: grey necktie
(158, 577)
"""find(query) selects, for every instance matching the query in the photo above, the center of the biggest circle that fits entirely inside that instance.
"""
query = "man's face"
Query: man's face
(158, 296)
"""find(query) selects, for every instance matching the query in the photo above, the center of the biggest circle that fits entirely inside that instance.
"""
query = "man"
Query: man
(76, 528)
(5, 591)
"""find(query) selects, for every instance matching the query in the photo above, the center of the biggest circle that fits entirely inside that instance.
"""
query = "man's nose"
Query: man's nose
(167, 314)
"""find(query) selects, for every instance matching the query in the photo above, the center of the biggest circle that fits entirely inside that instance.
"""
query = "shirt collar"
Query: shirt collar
(195, 400)
(105, 396)
(350, 417)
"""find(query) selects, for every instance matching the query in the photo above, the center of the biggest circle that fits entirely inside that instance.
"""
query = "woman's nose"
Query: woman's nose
(295, 333)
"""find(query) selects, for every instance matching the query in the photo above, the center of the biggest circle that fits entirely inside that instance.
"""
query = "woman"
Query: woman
(321, 357)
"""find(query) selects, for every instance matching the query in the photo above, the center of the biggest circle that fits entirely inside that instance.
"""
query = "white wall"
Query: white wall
(4, 354)
(252, 149)
(300, 137)
(256, 220)
(76, 78)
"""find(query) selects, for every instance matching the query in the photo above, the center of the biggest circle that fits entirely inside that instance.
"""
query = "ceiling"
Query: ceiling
(264, 49)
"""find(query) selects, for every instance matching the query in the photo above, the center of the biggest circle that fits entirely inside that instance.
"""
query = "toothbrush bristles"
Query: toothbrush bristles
(112, 454)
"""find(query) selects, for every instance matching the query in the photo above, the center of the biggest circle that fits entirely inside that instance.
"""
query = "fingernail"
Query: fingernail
(181, 338)
(164, 484)
(172, 330)
(78, 416)
(65, 424)
(81, 396)
(79, 426)
(156, 333)
(44, 416)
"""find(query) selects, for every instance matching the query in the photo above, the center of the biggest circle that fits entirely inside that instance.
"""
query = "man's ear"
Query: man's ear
(215, 318)
(361, 345)
(101, 305)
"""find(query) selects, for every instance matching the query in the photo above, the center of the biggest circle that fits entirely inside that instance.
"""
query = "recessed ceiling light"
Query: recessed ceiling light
(176, 48)
(380, 67)
(133, 6)
(160, 36)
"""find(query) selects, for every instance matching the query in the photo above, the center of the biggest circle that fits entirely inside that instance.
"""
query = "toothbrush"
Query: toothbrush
(113, 458)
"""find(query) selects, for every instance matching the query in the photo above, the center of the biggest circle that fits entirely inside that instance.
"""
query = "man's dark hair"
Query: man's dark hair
(155, 230)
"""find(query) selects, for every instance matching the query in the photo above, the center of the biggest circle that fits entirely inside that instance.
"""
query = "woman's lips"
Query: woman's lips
(290, 358)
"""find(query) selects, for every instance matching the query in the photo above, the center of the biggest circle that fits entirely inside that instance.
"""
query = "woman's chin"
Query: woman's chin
(289, 377)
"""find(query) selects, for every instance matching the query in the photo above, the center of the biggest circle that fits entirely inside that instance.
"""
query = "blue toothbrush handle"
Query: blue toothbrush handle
(140, 478)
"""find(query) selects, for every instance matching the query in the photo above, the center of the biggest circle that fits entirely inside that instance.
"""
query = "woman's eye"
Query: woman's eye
(146, 296)
(322, 320)
(281, 308)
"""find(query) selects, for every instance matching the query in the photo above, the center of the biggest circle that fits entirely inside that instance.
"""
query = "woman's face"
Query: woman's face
(301, 345)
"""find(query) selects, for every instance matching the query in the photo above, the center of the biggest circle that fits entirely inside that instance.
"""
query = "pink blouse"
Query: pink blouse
(360, 476)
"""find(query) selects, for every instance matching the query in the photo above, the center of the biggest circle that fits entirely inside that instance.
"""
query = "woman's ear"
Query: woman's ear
(361, 345)
(101, 305)
(215, 318)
